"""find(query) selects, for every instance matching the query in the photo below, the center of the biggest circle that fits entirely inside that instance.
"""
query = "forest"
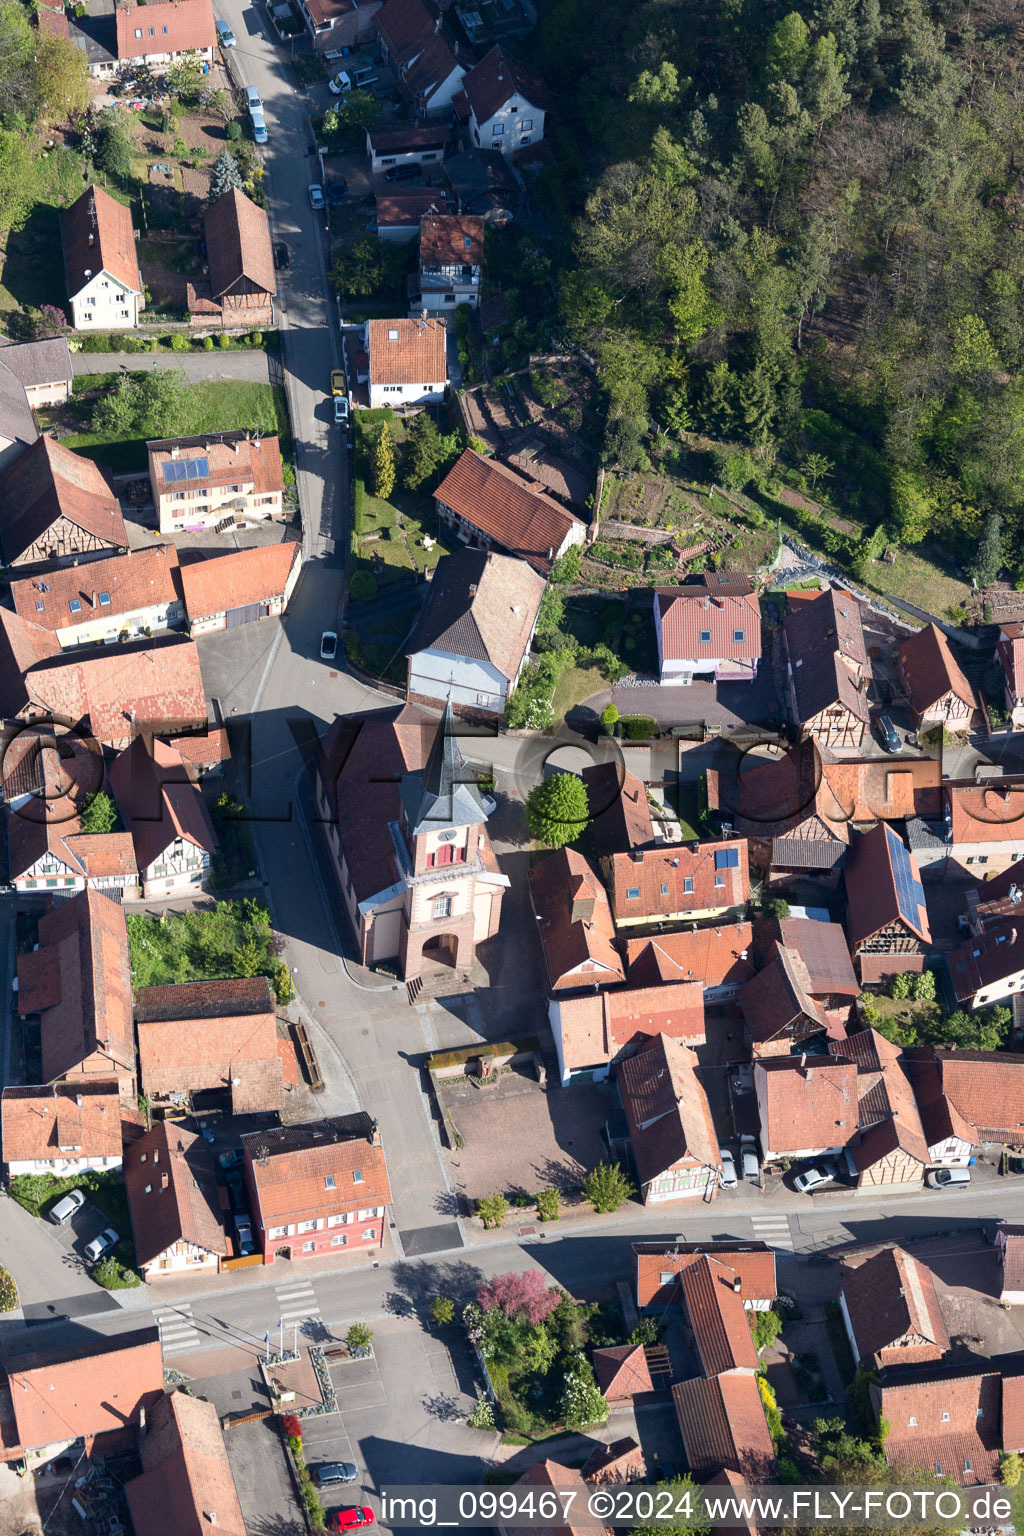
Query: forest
(799, 230)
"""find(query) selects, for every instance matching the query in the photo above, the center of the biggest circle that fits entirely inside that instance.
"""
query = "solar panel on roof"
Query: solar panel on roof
(727, 858)
(186, 469)
(909, 895)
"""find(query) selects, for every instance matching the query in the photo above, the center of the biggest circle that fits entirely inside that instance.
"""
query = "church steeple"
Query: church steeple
(444, 794)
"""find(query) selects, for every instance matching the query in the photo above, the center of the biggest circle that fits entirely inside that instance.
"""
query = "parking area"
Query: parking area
(264, 1483)
(518, 1136)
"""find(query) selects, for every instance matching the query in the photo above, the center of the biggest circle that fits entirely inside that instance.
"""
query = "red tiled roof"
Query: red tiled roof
(61, 1121)
(1013, 1412)
(1011, 649)
(97, 230)
(769, 799)
(235, 580)
(714, 956)
(407, 351)
(667, 1109)
(166, 26)
(205, 749)
(117, 690)
(59, 1394)
(809, 1106)
(187, 1475)
(983, 1094)
(79, 981)
(883, 791)
(195, 1036)
(50, 822)
(825, 640)
(171, 1185)
(138, 580)
(158, 801)
(879, 867)
(451, 240)
(597, 1027)
(404, 25)
(229, 456)
(754, 1263)
(237, 242)
(619, 808)
(722, 1422)
(1013, 1256)
(777, 1000)
(718, 1319)
(824, 951)
(290, 1167)
(622, 1371)
(505, 508)
(985, 813)
(935, 1423)
(893, 1309)
(404, 210)
(551, 1474)
(496, 79)
(688, 613)
(986, 959)
(679, 880)
(887, 1111)
(578, 952)
(932, 670)
(48, 482)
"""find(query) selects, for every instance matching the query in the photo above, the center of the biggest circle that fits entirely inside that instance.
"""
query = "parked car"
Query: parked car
(282, 257)
(243, 1232)
(728, 1179)
(339, 383)
(340, 409)
(816, 1177)
(404, 173)
(751, 1166)
(225, 36)
(350, 1519)
(235, 1182)
(341, 83)
(259, 122)
(330, 1473)
(101, 1245)
(230, 1158)
(316, 195)
(888, 735)
(66, 1208)
(337, 192)
(365, 77)
(328, 645)
(948, 1178)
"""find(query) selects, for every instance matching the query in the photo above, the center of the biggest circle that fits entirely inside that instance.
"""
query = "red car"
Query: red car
(350, 1519)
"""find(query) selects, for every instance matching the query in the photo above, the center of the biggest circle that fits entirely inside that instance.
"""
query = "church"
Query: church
(406, 827)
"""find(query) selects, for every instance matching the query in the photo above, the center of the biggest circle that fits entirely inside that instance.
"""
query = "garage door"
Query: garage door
(242, 615)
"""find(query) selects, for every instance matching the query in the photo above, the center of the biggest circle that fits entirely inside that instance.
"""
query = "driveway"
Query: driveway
(51, 1276)
(198, 367)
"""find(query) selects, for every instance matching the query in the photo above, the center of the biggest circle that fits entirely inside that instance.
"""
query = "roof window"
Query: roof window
(392, 335)
(357, 1176)
(104, 599)
(688, 884)
(737, 636)
(632, 893)
(328, 1181)
(705, 637)
(75, 605)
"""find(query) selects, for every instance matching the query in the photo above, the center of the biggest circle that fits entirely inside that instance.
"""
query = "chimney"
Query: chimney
(94, 599)
(211, 1515)
(78, 1100)
(175, 451)
(165, 1179)
(803, 1060)
(737, 1284)
(551, 551)
(1013, 935)
(472, 589)
(88, 272)
(582, 910)
(92, 238)
(142, 1417)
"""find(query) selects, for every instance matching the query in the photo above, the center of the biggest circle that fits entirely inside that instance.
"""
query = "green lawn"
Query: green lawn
(689, 812)
(31, 263)
(579, 683)
(224, 405)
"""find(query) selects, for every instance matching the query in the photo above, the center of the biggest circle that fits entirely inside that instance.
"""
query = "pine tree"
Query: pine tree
(384, 464)
(423, 452)
(556, 809)
(989, 559)
(225, 176)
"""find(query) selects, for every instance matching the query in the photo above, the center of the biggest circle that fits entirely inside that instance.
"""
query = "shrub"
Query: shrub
(233, 131)
(100, 815)
(609, 715)
(179, 342)
(765, 1328)
(582, 1402)
(292, 1426)
(607, 1187)
(548, 1202)
(114, 1276)
(639, 727)
(208, 343)
(255, 338)
(525, 1296)
(224, 340)
(492, 1210)
(358, 1337)
(363, 584)
(442, 1311)
(901, 985)
(1010, 1468)
(8, 1292)
(481, 1415)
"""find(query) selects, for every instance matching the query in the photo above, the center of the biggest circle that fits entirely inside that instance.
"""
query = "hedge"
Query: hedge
(639, 727)
(471, 1052)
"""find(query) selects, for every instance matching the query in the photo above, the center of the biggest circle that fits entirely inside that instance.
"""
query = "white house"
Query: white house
(473, 638)
(127, 596)
(161, 33)
(100, 264)
(710, 630)
(488, 504)
(408, 363)
(506, 103)
(62, 1128)
(393, 144)
(989, 967)
(451, 262)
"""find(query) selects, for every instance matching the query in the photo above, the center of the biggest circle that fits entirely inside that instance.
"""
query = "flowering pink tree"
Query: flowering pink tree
(50, 321)
(525, 1296)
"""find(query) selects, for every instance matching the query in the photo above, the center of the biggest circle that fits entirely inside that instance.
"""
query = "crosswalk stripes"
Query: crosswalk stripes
(177, 1333)
(773, 1230)
(297, 1303)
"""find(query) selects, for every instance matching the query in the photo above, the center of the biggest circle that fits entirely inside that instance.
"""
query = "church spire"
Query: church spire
(444, 794)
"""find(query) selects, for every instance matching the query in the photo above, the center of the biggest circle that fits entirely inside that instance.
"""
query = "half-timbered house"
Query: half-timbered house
(887, 919)
(56, 508)
(938, 691)
(891, 1148)
(675, 1148)
(451, 261)
(166, 816)
(786, 810)
(827, 669)
(239, 290)
(891, 1311)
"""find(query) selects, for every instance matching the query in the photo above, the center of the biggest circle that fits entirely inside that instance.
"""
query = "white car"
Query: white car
(328, 645)
(316, 195)
(341, 83)
(948, 1178)
(66, 1208)
(101, 1245)
(728, 1178)
(815, 1177)
(341, 408)
(225, 36)
(751, 1166)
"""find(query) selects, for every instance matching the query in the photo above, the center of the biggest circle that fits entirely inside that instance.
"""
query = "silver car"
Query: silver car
(66, 1208)
(751, 1166)
(101, 1245)
(728, 1178)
